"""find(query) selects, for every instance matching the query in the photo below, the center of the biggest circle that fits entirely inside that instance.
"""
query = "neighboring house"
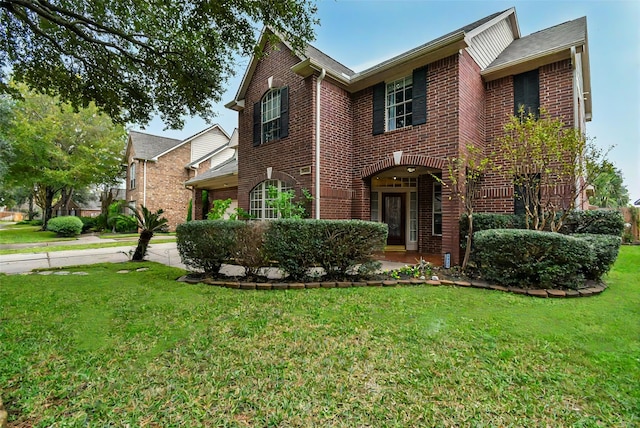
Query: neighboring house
(220, 182)
(158, 167)
(366, 143)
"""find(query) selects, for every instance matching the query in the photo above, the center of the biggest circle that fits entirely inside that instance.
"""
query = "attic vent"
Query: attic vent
(305, 170)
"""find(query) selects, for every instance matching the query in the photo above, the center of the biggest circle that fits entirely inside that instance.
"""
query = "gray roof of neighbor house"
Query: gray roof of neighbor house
(562, 36)
(228, 167)
(147, 146)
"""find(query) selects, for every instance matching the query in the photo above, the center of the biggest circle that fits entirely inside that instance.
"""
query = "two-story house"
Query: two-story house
(158, 167)
(367, 144)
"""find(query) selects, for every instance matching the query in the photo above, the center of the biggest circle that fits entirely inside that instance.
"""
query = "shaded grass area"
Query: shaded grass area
(50, 248)
(142, 349)
(23, 234)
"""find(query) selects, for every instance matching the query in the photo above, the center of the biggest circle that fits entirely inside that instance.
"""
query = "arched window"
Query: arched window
(271, 116)
(259, 199)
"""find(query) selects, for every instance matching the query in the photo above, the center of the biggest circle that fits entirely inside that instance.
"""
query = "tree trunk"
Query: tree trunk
(143, 243)
(32, 213)
(467, 250)
(47, 211)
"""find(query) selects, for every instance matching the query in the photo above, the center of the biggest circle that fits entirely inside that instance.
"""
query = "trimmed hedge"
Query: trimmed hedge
(65, 225)
(596, 222)
(527, 258)
(335, 245)
(297, 245)
(204, 245)
(488, 221)
(604, 249)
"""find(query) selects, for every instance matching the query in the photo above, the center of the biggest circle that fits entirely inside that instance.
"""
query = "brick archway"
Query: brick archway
(405, 160)
(275, 175)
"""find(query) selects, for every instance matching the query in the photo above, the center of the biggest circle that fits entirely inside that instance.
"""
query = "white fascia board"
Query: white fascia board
(471, 34)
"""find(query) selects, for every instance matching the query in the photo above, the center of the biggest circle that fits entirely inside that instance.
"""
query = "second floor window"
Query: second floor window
(399, 103)
(271, 116)
(526, 93)
(132, 175)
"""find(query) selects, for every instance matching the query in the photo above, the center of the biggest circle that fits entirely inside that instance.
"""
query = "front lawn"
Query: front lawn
(140, 349)
(23, 234)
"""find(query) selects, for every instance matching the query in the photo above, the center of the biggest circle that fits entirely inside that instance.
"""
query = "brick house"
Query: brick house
(366, 144)
(158, 167)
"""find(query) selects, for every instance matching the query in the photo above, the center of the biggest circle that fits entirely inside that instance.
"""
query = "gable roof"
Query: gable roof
(313, 60)
(542, 43)
(148, 146)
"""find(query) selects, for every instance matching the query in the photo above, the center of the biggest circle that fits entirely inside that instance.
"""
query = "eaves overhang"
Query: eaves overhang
(403, 63)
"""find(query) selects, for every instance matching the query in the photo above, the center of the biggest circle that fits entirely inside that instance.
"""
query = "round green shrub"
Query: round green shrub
(605, 250)
(65, 225)
(529, 258)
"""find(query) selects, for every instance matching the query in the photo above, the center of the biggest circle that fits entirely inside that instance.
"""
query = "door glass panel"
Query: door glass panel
(393, 210)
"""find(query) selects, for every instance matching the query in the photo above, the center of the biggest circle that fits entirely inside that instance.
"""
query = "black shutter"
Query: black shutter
(378, 108)
(419, 102)
(257, 124)
(526, 92)
(284, 112)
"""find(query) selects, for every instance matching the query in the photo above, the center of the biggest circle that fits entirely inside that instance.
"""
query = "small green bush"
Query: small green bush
(65, 225)
(529, 258)
(204, 245)
(604, 249)
(336, 245)
(89, 224)
(488, 221)
(595, 222)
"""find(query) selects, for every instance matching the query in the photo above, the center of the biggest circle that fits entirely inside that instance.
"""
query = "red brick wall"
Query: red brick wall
(165, 184)
(336, 160)
(438, 139)
(285, 156)
(556, 95)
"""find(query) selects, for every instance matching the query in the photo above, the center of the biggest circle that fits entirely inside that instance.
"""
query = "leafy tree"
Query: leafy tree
(465, 175)
(149, 223)
(608, 183)
(58, 149)
(548, 162)
(284, 204)
(133, 58)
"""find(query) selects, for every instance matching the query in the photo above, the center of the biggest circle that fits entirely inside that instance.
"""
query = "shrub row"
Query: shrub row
(597, 222)
(296, 245)
(65, 225)
(526, 258)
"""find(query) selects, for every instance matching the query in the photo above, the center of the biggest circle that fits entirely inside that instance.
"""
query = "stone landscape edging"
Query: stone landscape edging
(534, 292)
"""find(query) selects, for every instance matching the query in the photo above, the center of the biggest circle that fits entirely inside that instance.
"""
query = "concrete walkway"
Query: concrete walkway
(165, 253)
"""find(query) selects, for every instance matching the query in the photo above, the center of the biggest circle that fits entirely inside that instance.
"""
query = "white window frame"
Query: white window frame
(397, 105)
(132, 175)
(270, 107)
(436, 209)
(259, 196)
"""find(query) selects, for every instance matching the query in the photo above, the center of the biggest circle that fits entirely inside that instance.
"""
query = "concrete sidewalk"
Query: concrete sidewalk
(166, 253)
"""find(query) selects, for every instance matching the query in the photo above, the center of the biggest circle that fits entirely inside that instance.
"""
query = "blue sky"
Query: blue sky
(361, 33)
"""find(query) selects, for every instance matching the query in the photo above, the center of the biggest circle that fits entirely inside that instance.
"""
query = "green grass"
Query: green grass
(23, 234)
(51, 248)
(140, 349)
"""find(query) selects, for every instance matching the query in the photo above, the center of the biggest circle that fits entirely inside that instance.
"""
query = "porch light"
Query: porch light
(411, 169)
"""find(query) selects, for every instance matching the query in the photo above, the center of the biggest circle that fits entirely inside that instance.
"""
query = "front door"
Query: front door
(393, 214)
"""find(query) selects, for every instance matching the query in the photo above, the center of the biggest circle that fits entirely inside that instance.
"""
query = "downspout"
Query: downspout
(318, 88)
(144, 183)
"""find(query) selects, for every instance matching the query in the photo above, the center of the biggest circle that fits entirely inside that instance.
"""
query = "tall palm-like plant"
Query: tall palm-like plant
(149, 223)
